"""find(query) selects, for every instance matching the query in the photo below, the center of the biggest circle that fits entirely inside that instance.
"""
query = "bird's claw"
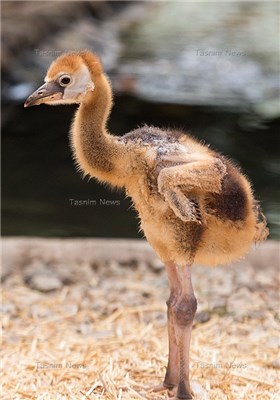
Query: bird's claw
(161, 388)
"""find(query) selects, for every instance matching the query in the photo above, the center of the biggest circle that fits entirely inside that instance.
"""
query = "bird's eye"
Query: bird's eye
(64, 80)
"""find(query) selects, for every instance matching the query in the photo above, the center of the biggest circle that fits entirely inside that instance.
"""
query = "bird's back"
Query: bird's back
(227, 222)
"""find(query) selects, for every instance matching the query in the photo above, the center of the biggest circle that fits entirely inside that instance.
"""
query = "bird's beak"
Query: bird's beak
(45, 94)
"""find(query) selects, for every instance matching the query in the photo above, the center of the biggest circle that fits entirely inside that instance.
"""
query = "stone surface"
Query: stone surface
(49, 264)
(45, 282)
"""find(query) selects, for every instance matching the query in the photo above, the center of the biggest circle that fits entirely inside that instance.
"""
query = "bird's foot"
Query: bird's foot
(171, 389)
(185, 208)
(157, 388)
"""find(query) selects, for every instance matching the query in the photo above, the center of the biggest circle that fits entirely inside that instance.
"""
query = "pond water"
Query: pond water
(43, 195)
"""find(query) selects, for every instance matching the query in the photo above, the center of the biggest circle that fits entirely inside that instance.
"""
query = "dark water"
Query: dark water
(39, 179)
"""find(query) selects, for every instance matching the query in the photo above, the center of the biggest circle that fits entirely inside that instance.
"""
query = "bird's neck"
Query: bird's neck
(95, 150)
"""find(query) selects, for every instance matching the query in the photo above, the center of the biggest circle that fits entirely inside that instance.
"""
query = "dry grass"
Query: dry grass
(105, 338)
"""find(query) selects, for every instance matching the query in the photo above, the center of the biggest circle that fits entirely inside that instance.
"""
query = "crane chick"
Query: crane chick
(194, 204)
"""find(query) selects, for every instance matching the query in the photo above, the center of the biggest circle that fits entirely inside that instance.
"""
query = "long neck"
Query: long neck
(96, 151)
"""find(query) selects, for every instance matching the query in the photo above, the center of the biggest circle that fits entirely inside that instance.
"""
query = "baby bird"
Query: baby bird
(194, 204)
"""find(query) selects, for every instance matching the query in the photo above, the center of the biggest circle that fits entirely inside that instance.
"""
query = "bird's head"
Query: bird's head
(69, 78)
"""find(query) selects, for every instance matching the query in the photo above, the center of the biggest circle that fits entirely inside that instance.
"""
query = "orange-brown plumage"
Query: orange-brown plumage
(194, 204)
(72, 62)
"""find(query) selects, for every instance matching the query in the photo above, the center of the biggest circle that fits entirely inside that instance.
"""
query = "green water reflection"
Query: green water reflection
(39, 179)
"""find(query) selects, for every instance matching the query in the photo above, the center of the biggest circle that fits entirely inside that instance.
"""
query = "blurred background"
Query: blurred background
(209, 68)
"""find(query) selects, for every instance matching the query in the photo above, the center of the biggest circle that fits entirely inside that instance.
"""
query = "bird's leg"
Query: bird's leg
(172, 373)
(184, 312)
(203, 175)
(178, 183)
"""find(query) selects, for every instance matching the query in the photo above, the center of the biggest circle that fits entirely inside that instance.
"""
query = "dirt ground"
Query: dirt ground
(94, 327)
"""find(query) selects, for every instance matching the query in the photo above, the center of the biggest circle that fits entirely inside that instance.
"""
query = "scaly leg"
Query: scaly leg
(181, 311)
(184, 312)
(172, 373)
